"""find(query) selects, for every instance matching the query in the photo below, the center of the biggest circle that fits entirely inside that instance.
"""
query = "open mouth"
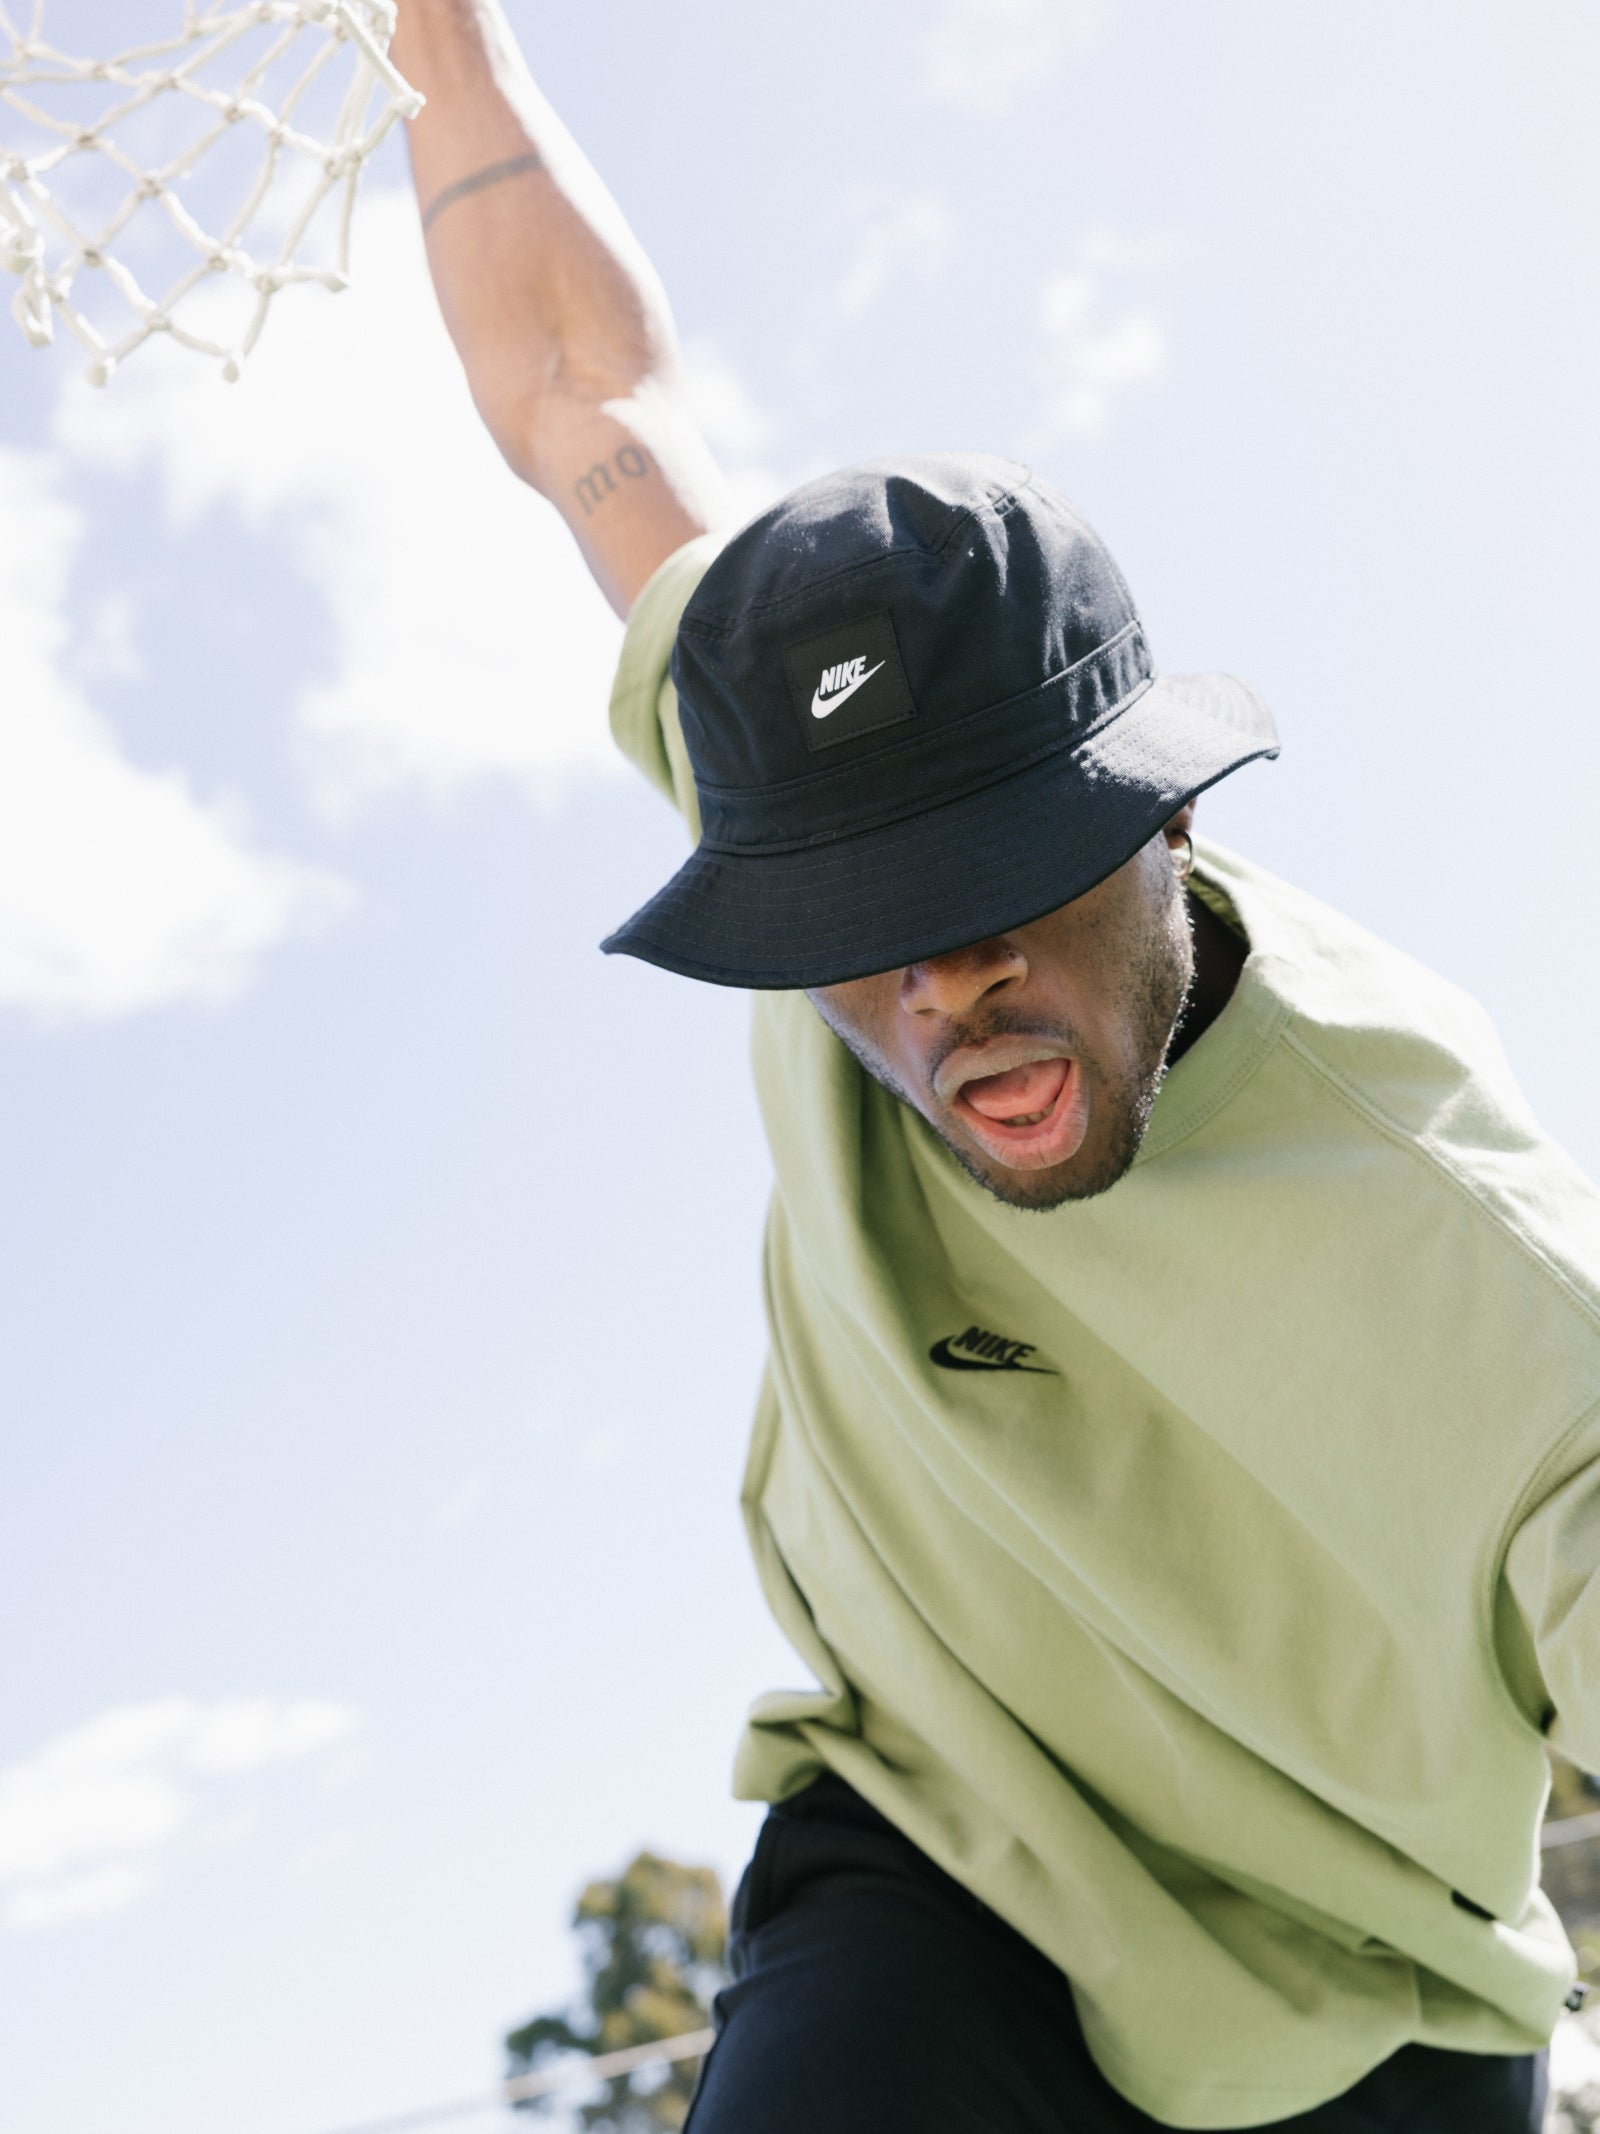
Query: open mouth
(1029, 1112)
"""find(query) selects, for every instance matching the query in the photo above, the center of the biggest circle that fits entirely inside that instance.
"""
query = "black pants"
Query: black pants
(873, 1995)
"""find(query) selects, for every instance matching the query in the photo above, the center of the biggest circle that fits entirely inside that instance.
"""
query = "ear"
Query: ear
(1180, 842)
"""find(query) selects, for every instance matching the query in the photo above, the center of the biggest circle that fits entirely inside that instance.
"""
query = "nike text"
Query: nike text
(838, 683)
(979, 1350)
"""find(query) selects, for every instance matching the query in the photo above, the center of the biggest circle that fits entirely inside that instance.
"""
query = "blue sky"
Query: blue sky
(381, 1310)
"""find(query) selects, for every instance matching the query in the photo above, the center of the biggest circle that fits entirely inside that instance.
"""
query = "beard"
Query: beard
(1146, 976)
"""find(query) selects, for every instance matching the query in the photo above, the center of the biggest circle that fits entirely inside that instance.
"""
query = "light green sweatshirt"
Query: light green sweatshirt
(1217, 1648)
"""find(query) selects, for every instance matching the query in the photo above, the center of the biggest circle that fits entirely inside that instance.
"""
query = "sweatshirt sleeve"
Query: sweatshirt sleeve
(1549, 1628)
(644, 704)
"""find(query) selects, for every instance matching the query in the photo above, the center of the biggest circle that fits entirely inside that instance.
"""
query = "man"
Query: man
(1176, 1460)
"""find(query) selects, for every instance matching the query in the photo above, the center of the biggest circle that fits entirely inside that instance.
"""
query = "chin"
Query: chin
(1040, 1191)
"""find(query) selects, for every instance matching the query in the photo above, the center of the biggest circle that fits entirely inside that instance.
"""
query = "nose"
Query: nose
(955, 983)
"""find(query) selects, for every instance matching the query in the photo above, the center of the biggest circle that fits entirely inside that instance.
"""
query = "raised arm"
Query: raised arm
(557, 315)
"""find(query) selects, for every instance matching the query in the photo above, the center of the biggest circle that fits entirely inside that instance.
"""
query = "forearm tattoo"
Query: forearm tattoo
(593, 488)
(513, 167)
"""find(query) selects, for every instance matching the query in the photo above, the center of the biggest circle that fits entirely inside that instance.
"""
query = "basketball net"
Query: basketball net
(99, 155)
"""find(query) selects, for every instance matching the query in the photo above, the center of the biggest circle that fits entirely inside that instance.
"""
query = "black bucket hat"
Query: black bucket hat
(921, 711)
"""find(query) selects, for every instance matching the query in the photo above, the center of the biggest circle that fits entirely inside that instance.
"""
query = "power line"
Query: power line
(1574, 1830)
(688, 2045)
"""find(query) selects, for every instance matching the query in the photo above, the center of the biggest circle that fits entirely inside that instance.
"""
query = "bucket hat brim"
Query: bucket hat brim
(963, 871)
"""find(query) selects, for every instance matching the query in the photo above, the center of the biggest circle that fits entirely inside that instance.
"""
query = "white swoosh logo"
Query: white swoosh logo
(819, 710)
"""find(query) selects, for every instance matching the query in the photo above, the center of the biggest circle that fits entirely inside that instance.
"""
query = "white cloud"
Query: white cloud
(896, 234)
(106, 646)
(981, 56)
(469, 640)
(86, 1896)
(740, 432)
(1096, 343)
(462, 1501)
(84, 1819)
(723, 405)
(602, 1447)
(119, 888)
(244, 1733)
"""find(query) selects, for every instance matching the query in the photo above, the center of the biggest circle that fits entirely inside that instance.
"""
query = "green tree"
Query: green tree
(652, 1944)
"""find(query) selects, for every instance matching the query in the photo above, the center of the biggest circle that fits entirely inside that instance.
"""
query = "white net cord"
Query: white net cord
(281, 63)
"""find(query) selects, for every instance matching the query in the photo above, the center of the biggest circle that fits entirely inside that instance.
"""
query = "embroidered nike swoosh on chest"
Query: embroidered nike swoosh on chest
(820, 710)
(979, 1350)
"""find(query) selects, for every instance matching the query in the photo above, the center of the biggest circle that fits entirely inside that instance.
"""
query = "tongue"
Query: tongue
(1025, 1089)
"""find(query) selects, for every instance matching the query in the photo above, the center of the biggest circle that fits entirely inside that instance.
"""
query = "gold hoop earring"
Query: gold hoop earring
(1183, 862)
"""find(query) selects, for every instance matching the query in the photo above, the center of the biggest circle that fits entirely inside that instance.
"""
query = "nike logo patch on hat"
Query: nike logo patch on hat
(848, 681)
(842, 682)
